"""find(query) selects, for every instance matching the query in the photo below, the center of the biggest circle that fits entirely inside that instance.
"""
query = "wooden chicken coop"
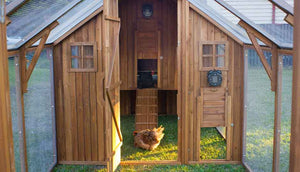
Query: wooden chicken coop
(146, 57)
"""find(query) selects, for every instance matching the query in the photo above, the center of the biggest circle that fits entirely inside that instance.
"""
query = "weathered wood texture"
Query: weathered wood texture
(192, 80)
(295, 127)
(111, 28)
(163, 20)
(80, 100)
(6, 138)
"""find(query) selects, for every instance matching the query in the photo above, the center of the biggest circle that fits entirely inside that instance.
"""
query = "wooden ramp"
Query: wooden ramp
(146, 109)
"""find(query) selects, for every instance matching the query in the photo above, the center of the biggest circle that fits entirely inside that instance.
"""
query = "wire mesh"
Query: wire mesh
(40, 136)
(260, 115)
(13, 103)
(287, 74)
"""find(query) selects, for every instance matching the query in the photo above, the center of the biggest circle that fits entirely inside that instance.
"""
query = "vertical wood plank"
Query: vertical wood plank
(295, 126)
(277, 115)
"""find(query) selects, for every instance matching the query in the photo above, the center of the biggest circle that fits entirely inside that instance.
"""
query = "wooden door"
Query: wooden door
(147, 46)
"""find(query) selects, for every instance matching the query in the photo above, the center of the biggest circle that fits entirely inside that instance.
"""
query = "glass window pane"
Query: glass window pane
(75, 63)
(220, 61)
(88, 50)
(207, 49)
(75, 51)
(88, 63)
(220, 49)
(208, 61)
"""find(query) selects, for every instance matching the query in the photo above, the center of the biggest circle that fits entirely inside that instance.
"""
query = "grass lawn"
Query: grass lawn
(155, 168)
(213, 145)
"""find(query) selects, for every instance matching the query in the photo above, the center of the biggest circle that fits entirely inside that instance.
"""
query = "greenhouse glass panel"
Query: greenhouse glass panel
(264, 17)
(33, 17)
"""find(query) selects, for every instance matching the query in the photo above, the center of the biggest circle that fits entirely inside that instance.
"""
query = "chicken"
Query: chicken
(148, 139)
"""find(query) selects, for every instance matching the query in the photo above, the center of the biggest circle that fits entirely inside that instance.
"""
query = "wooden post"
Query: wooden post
(277, 118)
(295, 126)
(6, 137)
(183, 78)
(21, 117)
(245, 103)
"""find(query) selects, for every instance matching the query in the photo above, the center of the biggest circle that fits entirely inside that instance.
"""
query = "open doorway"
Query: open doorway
(148, 41)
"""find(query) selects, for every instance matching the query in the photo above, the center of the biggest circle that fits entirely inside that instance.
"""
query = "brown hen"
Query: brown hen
(148, 139)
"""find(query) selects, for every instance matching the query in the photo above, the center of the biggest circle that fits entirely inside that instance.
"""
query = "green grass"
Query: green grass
(260, 120)
(213, 145)
(155, 168)
(167, 150)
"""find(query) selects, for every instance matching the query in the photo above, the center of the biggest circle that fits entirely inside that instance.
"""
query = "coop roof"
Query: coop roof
(35, 15)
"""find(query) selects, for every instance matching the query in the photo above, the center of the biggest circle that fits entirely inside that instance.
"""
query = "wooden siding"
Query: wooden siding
(167, 103)
(192, 80)
(80, 100)
(163, 20)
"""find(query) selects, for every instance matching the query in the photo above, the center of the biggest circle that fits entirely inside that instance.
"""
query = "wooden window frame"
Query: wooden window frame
(82, 57)
(214, 55)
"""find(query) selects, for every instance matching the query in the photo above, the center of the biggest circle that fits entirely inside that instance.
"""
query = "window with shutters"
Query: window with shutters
(213, 56)
(83, 57)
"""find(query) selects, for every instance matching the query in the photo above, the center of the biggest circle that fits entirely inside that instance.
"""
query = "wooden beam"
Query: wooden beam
(12, 53)
(274, 51)
(8, 21)
(289, 19)
(215, 161)
(284, 6)
(260, 54)
(40, 35)
(21, 117)
(6, 136)
(295, 126)
(261, 37)
(36, 56)
(277, 117)
(288, 52)
(115, 19)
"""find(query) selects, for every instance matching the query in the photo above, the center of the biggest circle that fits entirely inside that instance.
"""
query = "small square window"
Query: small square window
(213, 55)
(83, 57)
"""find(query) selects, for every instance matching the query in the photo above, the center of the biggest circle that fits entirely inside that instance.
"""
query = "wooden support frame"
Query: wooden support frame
(285, 7)
(289, 19)
(7, 162)
(295, 126)
(260, 54)
(277, 118)
(26, 72)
